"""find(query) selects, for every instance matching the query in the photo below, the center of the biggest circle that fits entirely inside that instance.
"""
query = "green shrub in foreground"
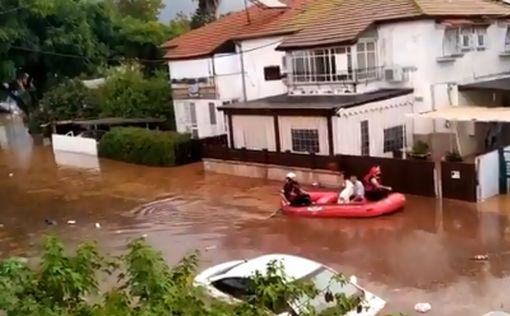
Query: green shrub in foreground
(64, 284)
(141, 146)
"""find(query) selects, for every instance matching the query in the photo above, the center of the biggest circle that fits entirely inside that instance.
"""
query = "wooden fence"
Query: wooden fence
(459, 181)
(192, 151)
(406, 176)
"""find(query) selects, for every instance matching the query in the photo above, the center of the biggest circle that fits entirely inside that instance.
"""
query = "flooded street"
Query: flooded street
(420, 255)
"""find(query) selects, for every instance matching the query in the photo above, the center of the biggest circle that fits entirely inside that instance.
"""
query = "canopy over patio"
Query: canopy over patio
(468, 114)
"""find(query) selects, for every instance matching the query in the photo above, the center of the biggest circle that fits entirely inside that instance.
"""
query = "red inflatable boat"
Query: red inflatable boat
(325, 205)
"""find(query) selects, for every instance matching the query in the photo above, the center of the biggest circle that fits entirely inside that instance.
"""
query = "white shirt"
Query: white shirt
(347, 192)
(359, 189)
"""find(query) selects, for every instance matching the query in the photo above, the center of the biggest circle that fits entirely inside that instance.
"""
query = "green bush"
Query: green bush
(70, 100)
(420, 148)
(142, 146)
(63, 284)
(127, 93)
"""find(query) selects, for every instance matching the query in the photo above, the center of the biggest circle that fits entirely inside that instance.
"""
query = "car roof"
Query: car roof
(294, 267)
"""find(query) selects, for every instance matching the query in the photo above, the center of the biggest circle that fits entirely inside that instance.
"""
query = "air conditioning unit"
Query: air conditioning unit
(394, 74)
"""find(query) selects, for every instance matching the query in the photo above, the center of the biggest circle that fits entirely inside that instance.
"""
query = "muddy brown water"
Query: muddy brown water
(419, 255)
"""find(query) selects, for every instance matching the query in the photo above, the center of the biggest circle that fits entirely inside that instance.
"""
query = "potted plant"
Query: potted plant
(453, 156)
(420, 150)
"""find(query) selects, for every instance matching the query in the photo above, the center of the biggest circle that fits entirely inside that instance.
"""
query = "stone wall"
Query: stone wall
(272, 172)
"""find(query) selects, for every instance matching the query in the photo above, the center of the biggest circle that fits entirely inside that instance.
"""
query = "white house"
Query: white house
(231, 60)
(352, 73)
(450, 52)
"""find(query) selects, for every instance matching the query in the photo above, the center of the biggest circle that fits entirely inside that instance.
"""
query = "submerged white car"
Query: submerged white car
(229, 282)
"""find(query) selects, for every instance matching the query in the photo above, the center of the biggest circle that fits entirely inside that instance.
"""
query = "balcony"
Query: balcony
(196, 88)
(350, 76)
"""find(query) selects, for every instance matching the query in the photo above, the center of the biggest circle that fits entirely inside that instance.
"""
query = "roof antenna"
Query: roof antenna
(247, 13)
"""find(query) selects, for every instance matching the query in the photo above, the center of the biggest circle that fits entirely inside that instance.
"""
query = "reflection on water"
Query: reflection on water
(15, 139)
(421, 254)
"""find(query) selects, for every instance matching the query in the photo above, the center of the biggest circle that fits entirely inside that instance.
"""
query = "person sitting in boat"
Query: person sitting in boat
(293, 192)
(358, 189)
(347, 190)
(374, 190)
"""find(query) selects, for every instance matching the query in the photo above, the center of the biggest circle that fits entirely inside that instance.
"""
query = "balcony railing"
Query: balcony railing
(196, 88)
(349, 76)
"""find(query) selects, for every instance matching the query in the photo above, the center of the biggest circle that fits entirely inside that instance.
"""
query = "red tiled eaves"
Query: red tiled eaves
(263, 23)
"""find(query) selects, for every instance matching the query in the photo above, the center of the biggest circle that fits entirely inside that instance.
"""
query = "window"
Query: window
(466, 36)
(272, 73)
(322, 65)
(480, 38)
(365, 139)
(325, 281)
(393, 138)
(305, 140)
(236, 287)
(451, 42)
(191, 114)
(212, 113)
(507, 40)
(367, 60)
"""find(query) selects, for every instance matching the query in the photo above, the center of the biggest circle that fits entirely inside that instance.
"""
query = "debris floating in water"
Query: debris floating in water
(11, 174)
(480, 257)
(210, 248)
(71, 222)
(145, 236)
(422, 307)
(50, 222)
(98, 225)
(1, 225)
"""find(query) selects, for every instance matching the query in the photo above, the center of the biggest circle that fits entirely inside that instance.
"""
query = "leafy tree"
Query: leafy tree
(128, 93)
(179, 25)
(70, 100)
(43, 42)
(145, 10)
(68, 285)
(205, 13)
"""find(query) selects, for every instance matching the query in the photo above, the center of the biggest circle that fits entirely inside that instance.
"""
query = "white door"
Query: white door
(191, 119)
(487, 167)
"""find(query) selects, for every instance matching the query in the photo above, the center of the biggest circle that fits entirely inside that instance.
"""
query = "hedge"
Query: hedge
(143, 146)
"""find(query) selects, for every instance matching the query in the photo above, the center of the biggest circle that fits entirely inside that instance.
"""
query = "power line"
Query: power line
(11, 10)
(75, 56)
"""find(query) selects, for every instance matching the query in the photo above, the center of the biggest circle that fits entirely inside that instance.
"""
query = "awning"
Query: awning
(468, 114)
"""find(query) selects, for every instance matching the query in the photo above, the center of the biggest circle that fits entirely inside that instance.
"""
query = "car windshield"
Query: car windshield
(324, 280)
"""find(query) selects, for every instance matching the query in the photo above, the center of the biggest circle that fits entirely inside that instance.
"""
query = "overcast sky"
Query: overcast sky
(188, 6)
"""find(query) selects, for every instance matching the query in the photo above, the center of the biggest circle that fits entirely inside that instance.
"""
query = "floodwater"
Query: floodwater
(420, 255)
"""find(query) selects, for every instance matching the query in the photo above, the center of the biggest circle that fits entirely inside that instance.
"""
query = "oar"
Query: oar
(273, 214)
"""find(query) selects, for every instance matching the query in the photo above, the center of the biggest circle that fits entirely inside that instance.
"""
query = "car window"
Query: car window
(236, 287)
(239, 288)
(325, 281)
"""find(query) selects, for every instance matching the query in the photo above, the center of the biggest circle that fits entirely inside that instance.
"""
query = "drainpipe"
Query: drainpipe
(214, 77)
(242, 71)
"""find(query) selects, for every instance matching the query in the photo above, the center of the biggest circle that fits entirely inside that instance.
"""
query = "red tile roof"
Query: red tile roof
(351, 17)
(263, 22)
(311, 23)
